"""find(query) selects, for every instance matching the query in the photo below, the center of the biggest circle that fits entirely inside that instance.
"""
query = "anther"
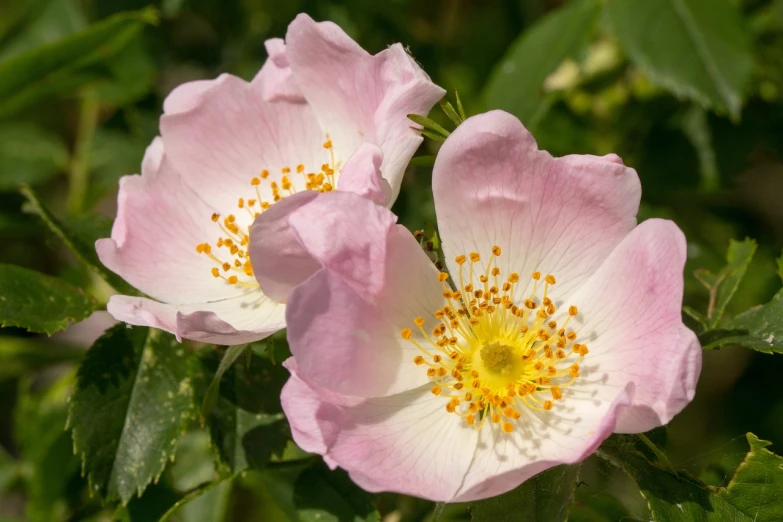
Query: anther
(496, 250)
(572, 311)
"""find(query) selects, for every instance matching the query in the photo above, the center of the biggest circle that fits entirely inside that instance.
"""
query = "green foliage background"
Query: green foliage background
(689, 92)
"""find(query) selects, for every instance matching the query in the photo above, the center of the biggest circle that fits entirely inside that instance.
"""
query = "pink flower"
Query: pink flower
(321, 114)
(561, 323)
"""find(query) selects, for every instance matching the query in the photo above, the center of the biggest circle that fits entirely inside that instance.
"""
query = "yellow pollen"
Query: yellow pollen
(494, 359)
(232, 247)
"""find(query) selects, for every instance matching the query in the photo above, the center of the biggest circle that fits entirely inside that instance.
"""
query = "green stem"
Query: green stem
(80, 163)
(660, 455)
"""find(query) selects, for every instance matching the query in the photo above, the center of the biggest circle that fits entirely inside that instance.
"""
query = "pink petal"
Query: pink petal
(630, 311)
(362, 175)
(237, 320)
(560, 216)
(159, 222)
(228, 134)
(373, 280)
(358, 97)
(341, 230)
(275, 80)
(405, 443)
(504, 461)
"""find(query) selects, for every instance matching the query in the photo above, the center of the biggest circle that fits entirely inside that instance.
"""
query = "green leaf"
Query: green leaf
(760, 328)
(20, 355)
(697, 49)
(74, 61)
(423, 161)
(757, 486)
(80, 239)
(432, 135)
(460, 108)
(132, 402)
(429, 124)
(752, 494)
(723, 285)
(322, 495)
(247, 424)
(547, 497)
(516, 84)
(229, 358)
(29, 154)
(45, 447)
(207, 503)
(40, 303)
(41, 23)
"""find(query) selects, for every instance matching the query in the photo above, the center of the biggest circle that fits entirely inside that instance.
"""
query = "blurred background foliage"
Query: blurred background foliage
(688, 92)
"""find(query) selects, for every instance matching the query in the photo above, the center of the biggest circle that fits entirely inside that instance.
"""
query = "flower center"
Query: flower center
(492, 358)
(231, 252)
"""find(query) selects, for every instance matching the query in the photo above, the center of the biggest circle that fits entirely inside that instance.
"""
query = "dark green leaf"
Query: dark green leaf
(40, 303)
(24, 354)
(80, 240)
(132, 402)
(207, 503)
(516, 84)
(45, 448)
(723, 285)
(229, 358)
(698, 49)
(322, 495)
(69, 63)
(29, 154)
(752, 495)
(432, 135)
(547, 497)
(247, 424)
(429, 124)
(760, 328)
(41, 23)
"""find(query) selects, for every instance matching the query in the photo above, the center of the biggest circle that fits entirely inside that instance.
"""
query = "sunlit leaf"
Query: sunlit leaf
(723, 285)
(760, 328)
(753, 494)
(516, 84)
(133, 399)
(698, 49)
(40, 303)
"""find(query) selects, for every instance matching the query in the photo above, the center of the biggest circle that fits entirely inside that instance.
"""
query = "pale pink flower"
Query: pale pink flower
(322, 114)
(562, 326)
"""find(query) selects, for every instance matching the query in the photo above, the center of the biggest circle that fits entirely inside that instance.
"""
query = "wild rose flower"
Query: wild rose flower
(557, 323)
(322, 114)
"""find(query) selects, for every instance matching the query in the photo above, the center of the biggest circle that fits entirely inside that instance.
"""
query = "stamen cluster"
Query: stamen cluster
(490, 357)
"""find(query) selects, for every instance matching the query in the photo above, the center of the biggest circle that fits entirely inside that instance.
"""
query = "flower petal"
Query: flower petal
(237, 320)
(358, 97)
(362, 175)
(405, 443)
(228, 134)
(492, 186)
(340, 230)
(156, 251)
(373, 279)
(561, 436)
(275, 80)
(630, 314)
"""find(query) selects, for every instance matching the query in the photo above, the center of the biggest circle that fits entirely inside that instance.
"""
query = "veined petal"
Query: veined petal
(229, 134)
(631, 317)
(362, 175)
(561, 216)
(237, 320)
(564, 436)
(155, 251)
(275, 80)
(359, 97)
(401, 443)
